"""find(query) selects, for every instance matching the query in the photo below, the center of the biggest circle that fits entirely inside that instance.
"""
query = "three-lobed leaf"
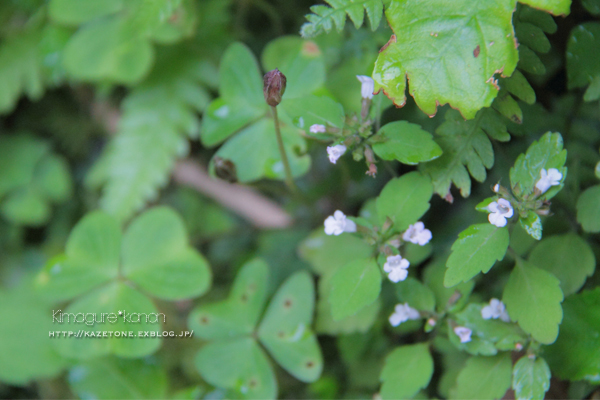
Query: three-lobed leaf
(532, 297)
(476, 250)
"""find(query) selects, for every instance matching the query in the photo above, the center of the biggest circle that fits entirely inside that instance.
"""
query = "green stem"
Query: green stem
(289, 180)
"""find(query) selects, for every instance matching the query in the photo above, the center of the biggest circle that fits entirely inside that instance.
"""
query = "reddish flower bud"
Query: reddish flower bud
(274, 86)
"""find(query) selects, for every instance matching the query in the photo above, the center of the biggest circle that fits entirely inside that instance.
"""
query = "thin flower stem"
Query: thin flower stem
(289, 180)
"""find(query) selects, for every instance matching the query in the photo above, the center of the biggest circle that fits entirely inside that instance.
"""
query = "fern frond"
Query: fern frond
(324, 18)
(20, 69)
(157, 119)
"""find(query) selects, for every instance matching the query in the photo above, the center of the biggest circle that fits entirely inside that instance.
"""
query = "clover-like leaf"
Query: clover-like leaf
(532, 297)
(407, 369)
(238, 365)
(531, 378)
(450, 51)
(405, 142)
(285, 329)
(476, 250)
(239, 313)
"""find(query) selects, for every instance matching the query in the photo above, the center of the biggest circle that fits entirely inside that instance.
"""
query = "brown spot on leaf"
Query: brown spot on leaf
(287, 303)
(310, 364)
(476, 51)
(204, 320)
(244, 298)
(280, 334)
(392, 40)
(252, 383)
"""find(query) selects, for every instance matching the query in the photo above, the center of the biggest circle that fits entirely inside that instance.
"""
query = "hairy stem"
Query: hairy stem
(289, 180)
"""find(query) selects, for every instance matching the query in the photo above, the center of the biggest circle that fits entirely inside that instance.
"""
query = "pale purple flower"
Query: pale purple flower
(337, 224)
(417, 234)
(335, 152)
(367, 86)
(396, 267)
(499, 212)
(548, 178)
(496, 309)
(463, 333)
(318, 128)
(402, 313)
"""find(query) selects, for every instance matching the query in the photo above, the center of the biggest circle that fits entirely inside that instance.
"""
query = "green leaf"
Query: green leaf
(157, 116)
(259, 138)
(406, 142)
(25, 207)
(518, 85)
(588, 209)
(592, 6)
(508, 107)
(416, 294)
(222, 119)
(476, 250)
(582, 66)
(115, 378)
(465, 143)
(531, 378)
(353, 287)
(301, 61)
(532, 225)
(238, 365)
(484, 378)
(239, 313)
(404, 200)
(556, 7)
(240, 78)
(76, 12)
(327, 253)
(593, 91)
(546, 153)
(156, 256)
(91, 258)
(450, 50)
(24, 337)
(532, 297)
(52, 178)
(103, 50)
(433, 277)
(139, 315)
(323, 17)
(19, 157)
(568, 257)
(285, 328)
(407, 370)
(576, 353)
(309, 110)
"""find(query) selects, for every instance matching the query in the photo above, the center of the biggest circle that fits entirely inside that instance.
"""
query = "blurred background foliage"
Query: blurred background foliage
(98, 101)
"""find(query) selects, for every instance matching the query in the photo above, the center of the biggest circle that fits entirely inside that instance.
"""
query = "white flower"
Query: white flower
(396, 268)
(337, 224)
(496, 186)
(402, 313)
(318, 128)
(548, 178)
(367, 87)
(499, 212)
(495, 310)
(335, 152)
(463, 333)
(417, 234)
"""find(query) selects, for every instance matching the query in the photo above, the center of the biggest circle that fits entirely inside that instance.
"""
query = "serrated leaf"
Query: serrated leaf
(476, 250)
(416, 294)
(238, 365)
(582, 65)
(157, 257)
(568, 257)
(407, 370)
(91, 258)
(556, 7)
(531, 378)
(79, 11)
(446, 67)
(239, 313)
(465, 143)
(327, 253)
(285, 329)
(532, 225)
(546, 153)
(484, 378)
(576, 353)
(404, 200)
(139, 314)
(157, 117)
(588, 209)
(353, 287)
(406, 142)
(532, 297)
(323, 17)
(116, 378)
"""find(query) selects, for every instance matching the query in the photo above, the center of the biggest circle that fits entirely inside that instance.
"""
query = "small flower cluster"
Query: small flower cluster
(402, 313)
(397, 267)
(496, 309)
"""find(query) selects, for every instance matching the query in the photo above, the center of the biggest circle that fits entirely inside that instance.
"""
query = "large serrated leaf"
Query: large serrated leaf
(532, 297)
(476, 250)
(324, 18)
(450, 50)
(556, 7)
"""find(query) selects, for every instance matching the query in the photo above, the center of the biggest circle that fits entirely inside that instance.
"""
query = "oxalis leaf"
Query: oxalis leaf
(531, 378)
(476, 250)
(532, 297)
(451, 51)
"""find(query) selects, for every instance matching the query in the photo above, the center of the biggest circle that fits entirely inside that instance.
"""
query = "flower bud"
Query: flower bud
(273, 87)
